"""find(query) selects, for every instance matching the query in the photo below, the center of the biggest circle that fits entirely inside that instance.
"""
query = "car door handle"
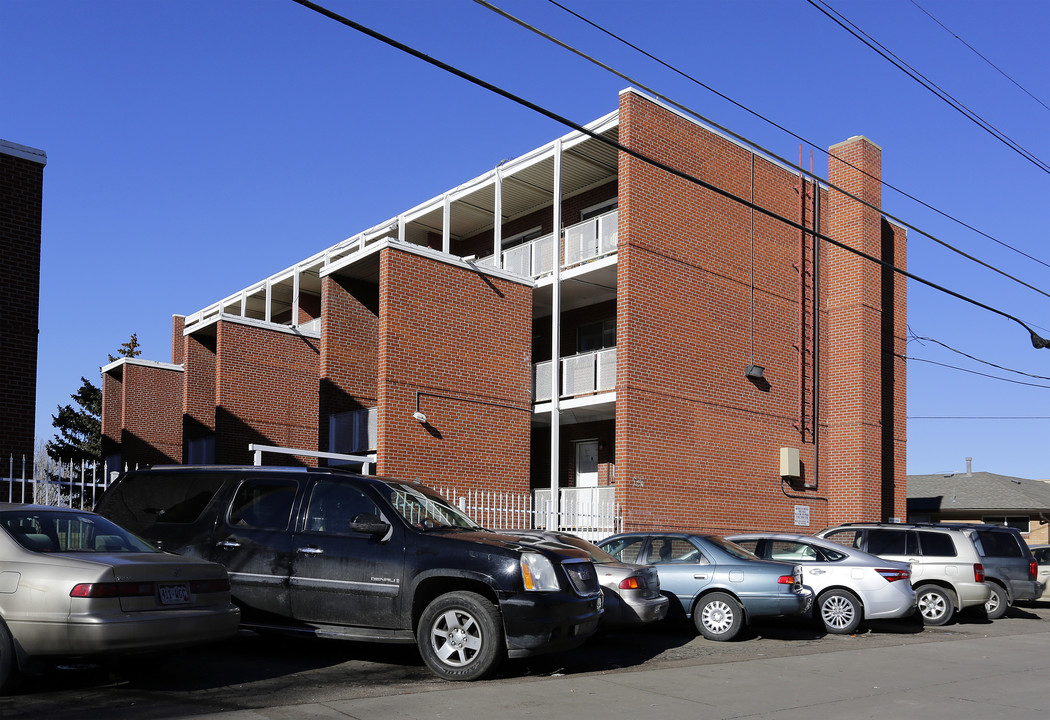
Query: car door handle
(228, 544)
(311, 551)
(817, 571)
(700, 577)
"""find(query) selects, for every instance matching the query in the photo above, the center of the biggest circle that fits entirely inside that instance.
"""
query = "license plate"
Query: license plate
(174, 594)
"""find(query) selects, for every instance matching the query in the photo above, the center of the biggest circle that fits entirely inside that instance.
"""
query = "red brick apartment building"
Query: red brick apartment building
(21, 200)
(718, 369)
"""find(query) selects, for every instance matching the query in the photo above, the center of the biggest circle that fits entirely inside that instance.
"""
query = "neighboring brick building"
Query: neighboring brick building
(428, 339)
(21, 200)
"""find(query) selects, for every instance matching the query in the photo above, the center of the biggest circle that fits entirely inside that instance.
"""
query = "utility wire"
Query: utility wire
(972, 372)
(918, 77)
(978, 54)
(770, 122)
(922, 340)
(758, 147)
(1037, 341)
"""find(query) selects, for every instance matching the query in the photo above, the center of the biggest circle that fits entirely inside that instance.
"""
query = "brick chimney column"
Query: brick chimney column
(854, 373)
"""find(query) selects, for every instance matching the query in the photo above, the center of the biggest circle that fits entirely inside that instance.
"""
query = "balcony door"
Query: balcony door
(587, 464)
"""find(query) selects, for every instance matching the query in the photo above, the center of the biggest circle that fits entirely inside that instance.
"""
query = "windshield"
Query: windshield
(56, 531)
(424, 509)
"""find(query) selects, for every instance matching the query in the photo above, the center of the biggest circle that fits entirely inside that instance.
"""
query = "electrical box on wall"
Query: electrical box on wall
(790, 463)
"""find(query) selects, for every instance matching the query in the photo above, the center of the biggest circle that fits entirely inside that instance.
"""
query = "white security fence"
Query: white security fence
(581, 374)
(585, 241)
(589, 513)
(63, 484)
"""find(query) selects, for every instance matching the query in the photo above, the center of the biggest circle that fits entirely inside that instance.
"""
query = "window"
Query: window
(263, 504)
(355, 431)
(1021, 522)
(673, 550)
(849, 538)
(334, 505)
(143, 500)
(999, 543)
(887, 542)
(624, 549)
(791, 551)
(936, 544)
(596, 336)
(521, 238)
(599, 209)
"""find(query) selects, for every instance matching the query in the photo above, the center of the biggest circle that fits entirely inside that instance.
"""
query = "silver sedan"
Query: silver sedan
(849, 585)
(74, 584)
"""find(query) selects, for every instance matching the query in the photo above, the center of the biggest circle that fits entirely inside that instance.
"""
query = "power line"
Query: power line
(921, 340)
(770, 122)
(755, 145)
(1037, 341)
(918, 77)
(978, 54)
(972, 372)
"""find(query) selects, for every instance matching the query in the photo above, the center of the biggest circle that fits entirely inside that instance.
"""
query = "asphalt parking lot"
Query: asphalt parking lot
(777, 670)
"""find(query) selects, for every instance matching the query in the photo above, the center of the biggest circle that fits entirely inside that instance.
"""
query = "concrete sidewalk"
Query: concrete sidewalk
(1000, 677)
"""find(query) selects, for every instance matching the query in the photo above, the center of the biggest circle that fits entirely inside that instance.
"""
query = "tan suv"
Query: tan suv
(946, 569)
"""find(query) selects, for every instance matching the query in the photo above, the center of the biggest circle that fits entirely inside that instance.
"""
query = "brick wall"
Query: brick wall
(198, 390)
(460, 342)
(265, 392)
(21, 200)
(696, 443)
(152, 415)
(349, 349)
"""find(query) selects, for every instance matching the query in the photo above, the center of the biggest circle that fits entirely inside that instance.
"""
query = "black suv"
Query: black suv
(331, 553)
(1010, 569)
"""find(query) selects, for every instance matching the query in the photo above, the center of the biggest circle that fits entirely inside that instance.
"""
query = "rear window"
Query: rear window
(141, 500)
(849, 538)
(624, 549)
(999, 544)
(937, 544)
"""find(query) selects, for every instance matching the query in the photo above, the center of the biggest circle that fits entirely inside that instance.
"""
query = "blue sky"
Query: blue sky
(196, 147)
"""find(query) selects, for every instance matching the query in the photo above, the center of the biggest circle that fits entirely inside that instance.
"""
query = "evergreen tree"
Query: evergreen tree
(79, 427)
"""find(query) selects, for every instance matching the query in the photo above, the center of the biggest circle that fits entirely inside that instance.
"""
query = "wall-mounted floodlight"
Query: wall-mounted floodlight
(419, 416)
(755, 372)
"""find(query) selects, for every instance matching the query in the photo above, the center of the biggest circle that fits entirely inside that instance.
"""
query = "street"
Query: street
(254, 677)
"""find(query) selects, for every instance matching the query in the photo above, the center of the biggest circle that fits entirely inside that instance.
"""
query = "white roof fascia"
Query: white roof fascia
(23, 151)
(507, 168)
(143, 363)
(433, 255)
(252, 322)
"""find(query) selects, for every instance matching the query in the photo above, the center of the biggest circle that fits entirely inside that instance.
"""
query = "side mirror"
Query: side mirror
(369, 524)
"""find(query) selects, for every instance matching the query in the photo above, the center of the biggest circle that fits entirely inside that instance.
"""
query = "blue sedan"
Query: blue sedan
(721, 586)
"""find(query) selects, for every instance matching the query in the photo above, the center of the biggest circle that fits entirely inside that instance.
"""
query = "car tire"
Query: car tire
(840, 612)
(935, 605)
(998, 603)
(718, 616)
(460, 636)
(9, 675)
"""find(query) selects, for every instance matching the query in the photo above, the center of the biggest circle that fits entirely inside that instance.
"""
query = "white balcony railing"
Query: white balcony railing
(582, 374)
(584, 241)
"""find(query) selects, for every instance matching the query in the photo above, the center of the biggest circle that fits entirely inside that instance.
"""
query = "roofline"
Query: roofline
(121, 362)
(23, 151)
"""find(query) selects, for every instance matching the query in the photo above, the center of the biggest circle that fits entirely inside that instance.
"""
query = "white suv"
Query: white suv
(946, 569)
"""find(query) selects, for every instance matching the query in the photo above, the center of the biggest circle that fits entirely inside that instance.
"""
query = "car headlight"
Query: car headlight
(537, 572)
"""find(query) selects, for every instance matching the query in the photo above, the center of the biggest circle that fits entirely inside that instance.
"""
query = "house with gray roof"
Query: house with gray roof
(981, 497)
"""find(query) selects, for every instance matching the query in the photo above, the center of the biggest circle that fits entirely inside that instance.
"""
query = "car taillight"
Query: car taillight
(632, 583)
(978, 572)
(786, 580)
(1033, 570)
(893, 575)
(113, 590)
(209, 586)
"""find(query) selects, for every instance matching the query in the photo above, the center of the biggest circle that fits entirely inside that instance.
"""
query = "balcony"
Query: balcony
(584, 242)
(583, 374)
